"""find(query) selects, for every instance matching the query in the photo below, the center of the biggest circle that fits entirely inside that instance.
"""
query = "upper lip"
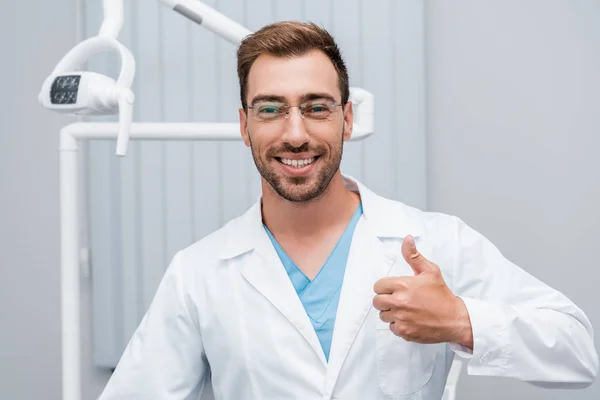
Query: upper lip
(297, 156)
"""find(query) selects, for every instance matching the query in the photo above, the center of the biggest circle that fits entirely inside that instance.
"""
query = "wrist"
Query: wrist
(463, 329)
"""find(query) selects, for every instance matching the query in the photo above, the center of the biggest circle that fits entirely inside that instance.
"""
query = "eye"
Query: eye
(318, 108)
(269, 109)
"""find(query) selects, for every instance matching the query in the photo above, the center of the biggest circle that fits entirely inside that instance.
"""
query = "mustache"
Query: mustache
(288, 148)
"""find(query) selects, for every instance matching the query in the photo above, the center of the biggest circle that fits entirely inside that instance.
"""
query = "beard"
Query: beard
(300, 189)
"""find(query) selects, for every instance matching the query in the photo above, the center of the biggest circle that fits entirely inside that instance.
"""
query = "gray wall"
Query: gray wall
(514, 132)
(34, 35)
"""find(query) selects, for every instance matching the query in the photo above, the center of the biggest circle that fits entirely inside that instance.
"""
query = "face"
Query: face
(297, 156)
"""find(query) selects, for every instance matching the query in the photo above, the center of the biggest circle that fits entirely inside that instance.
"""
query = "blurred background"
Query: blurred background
(489, 110)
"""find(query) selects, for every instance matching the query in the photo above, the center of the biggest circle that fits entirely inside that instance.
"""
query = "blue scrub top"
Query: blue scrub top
(320, 296)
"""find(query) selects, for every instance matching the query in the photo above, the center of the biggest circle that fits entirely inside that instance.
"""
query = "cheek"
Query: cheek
(260, 143)
(330, 136)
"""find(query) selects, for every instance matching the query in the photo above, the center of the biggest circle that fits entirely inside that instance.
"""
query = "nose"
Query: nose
(294, 131)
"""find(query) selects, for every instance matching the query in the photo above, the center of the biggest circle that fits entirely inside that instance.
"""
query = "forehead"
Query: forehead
(293, 77)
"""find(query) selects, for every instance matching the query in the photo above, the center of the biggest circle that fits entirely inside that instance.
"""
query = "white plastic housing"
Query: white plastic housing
(363, 104)
(96, 94)
(90, 93)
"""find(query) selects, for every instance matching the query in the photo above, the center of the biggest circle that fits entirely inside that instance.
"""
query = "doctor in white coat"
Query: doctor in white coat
(325, 290)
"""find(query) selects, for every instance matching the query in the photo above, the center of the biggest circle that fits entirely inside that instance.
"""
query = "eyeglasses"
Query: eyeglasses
(270, 111)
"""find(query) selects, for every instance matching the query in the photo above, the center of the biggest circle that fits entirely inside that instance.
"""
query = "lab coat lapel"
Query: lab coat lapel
(268, 276)
(367, 262)
(375, 250)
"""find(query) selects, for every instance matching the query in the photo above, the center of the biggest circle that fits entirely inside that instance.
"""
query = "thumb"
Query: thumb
(418, 263)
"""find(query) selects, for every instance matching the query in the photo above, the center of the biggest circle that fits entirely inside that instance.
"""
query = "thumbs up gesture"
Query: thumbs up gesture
(421, 308)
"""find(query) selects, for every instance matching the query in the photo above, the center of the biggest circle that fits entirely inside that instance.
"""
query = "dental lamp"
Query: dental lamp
(72, 91)
(68, 90)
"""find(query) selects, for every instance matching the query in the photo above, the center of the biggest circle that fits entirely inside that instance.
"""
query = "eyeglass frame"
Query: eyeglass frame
(331, 103)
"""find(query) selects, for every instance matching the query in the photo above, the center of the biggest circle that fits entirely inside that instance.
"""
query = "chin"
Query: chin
(300, 193)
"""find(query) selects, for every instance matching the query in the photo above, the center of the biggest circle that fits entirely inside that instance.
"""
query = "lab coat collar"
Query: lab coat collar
(385, 218)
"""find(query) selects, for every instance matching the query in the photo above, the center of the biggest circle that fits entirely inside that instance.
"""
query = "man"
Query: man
(325, 290)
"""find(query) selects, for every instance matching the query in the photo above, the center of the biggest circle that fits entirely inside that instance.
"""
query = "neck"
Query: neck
(287, 218)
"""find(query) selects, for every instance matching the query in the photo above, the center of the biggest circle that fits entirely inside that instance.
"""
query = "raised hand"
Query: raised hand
(421, 308)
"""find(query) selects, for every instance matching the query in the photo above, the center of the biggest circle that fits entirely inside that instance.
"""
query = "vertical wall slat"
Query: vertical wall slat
(255, 16)
(289, 11)
(346, 29)
(377, 62)
(178, 171)
(151, 184)
(106, 321)
(235, 157)
(205, 160)
(114, 194)
(258, 14)
(318, 11)
(127, 176)
(409, 148)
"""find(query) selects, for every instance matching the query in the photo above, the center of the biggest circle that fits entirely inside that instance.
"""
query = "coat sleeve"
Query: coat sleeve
(165, 358)
(522, 328)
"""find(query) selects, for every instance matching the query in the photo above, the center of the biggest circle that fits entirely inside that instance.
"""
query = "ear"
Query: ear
(244, 127)
(348, 120)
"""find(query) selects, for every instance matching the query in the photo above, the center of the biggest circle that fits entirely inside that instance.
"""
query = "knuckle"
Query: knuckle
(403, 330)
(401, 301)
(400, 284)
(409, 334)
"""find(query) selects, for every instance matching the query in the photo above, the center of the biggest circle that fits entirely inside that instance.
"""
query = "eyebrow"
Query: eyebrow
(316, 96)
(267, 97)
(281, 99)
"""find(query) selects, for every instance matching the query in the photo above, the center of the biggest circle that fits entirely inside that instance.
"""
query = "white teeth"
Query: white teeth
(297, 163)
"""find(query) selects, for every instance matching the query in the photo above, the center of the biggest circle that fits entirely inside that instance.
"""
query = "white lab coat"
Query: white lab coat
(227, 312)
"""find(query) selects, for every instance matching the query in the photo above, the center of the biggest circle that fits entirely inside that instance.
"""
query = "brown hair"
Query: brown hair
(289, 39)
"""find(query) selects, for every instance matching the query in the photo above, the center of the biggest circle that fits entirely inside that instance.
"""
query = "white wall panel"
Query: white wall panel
(165, 195)
(347, 29)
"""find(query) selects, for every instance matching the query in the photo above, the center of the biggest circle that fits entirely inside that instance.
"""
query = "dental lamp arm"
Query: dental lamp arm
(126, 99)
(113, 18)
(194, 10)
(211, 19)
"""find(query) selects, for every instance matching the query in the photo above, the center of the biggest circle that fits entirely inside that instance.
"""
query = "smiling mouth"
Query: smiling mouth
(297, 163)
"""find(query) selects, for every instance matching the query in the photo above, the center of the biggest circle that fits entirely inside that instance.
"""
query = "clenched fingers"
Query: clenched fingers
(391, 284)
